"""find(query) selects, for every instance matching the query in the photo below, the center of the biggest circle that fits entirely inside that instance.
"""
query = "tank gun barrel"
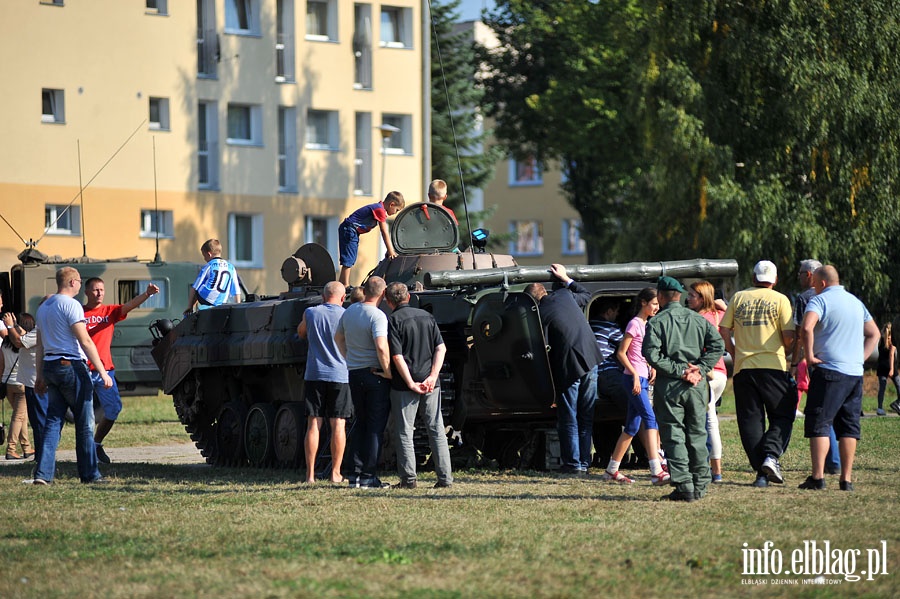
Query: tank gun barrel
(629, 271)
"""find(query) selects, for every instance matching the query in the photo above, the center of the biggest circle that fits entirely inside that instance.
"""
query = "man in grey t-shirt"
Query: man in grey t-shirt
(361, 336)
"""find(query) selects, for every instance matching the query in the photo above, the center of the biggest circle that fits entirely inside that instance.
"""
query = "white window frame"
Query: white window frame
(256, 241)
(287, 149)
(212, 145)
(399, 143)
(329, 33)
(537, 231)
(149, 223)
(536, 180)
(401, 22)
(328, 118)
(160, 7)
(72, 217)
(285, 45)
(331, 227)
(568, 225)
(232, 23)
(163, 109)
(57, 112)
(254, 114)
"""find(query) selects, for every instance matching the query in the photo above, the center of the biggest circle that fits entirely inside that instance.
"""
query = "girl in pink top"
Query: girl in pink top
(637, 377)
(700, 299)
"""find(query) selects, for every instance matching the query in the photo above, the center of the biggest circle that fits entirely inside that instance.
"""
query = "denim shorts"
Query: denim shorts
(348, 243)
(109, 398)
(639, 408)
(833, 397)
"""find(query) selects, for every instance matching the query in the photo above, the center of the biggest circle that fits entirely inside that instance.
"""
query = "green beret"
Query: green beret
(669, 284)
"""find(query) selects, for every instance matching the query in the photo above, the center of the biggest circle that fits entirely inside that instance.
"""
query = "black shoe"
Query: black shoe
(372, 483)
(101, 454)
(761, 481)
(832, 470)
(846, 485)
(572, 471)
(97, 481)
(442, 484)
(679, 496)
(816, 484)
(405, 485)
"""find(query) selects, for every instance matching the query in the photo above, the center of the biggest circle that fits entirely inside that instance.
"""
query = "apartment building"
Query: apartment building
(258, 122)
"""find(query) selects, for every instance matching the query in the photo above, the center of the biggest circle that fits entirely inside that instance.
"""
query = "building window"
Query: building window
(208, 145)
(396, 27)
(362, 180)
(287, 149)
(208, 52)
(159, 114)
(62, 220)
(401, 141)
(528, 238)
(284, 40)
(572, 243)
(322, 230)
(525, 172)
(322, 129)
(53, 106)
(157, 221)
(52, 2)
(362, 46)
(245, 124)
(245, 240)
(242, 17)
(130, 289)
(321, 20)
(157, 7)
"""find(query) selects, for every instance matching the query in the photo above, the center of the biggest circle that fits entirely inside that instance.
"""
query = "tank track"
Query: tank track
(188, 402)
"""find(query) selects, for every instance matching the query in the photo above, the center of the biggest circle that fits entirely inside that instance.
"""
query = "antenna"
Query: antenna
(81, 196)
(156, 258)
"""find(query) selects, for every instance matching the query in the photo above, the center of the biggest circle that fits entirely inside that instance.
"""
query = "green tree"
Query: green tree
(455, 93)
(560, 87)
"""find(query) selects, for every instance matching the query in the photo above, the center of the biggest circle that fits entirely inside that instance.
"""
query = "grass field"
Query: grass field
(196, 531)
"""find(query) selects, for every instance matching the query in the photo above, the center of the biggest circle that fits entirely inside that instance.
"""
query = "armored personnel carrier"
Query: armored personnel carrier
(236, 371)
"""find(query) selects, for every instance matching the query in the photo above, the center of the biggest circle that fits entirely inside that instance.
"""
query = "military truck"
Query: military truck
(136, 373)
(236, 371)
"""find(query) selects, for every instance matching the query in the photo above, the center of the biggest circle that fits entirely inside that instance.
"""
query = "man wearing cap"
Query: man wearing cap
(683, 347)
(761, 320)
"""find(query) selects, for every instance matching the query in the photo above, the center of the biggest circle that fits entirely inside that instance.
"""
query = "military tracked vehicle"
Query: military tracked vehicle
(236, 371)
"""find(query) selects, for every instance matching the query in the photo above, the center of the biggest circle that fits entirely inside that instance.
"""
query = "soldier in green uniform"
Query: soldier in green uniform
(682, 346)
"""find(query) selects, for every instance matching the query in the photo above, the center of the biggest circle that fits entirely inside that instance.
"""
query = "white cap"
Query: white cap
(765, 272)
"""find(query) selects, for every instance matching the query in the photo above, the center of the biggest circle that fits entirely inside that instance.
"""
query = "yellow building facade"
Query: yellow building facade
(251, 121)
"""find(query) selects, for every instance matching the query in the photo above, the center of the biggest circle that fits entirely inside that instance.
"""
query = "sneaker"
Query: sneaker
(442, 484)
(353, 481)
(40, 482)
(101, 454)
(573, 471)
(97, 481)
(405, 485)
(832, 470)
(615, 477)
(717, 478)
(372, 483)
(815, 484)
(880, 412)
(658, 480)
(29, 455)
(772, 469)
(846, 485)
(798, 414)
(896, 406)
(761, 481)
(11, 455)
(679, 496)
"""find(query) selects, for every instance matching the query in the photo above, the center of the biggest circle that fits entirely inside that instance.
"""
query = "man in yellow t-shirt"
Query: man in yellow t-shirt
(762, 323)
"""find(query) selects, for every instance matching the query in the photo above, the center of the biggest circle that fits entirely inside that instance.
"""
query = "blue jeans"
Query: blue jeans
(575, 421)
(36, 403)
(69, 386)
(833, 457)
(372, 407)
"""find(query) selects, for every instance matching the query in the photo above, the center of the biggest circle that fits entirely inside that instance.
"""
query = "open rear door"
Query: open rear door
(512, 354)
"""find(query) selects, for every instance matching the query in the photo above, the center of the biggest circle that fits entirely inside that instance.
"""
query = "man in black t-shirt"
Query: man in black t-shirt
(417, 355)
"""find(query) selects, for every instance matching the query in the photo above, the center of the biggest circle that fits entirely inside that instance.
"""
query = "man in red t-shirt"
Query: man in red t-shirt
(101, 320)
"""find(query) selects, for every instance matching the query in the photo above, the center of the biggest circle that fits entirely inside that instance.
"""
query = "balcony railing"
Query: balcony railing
(207, 52)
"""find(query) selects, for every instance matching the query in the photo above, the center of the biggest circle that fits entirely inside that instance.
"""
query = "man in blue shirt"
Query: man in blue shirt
(839, 334)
